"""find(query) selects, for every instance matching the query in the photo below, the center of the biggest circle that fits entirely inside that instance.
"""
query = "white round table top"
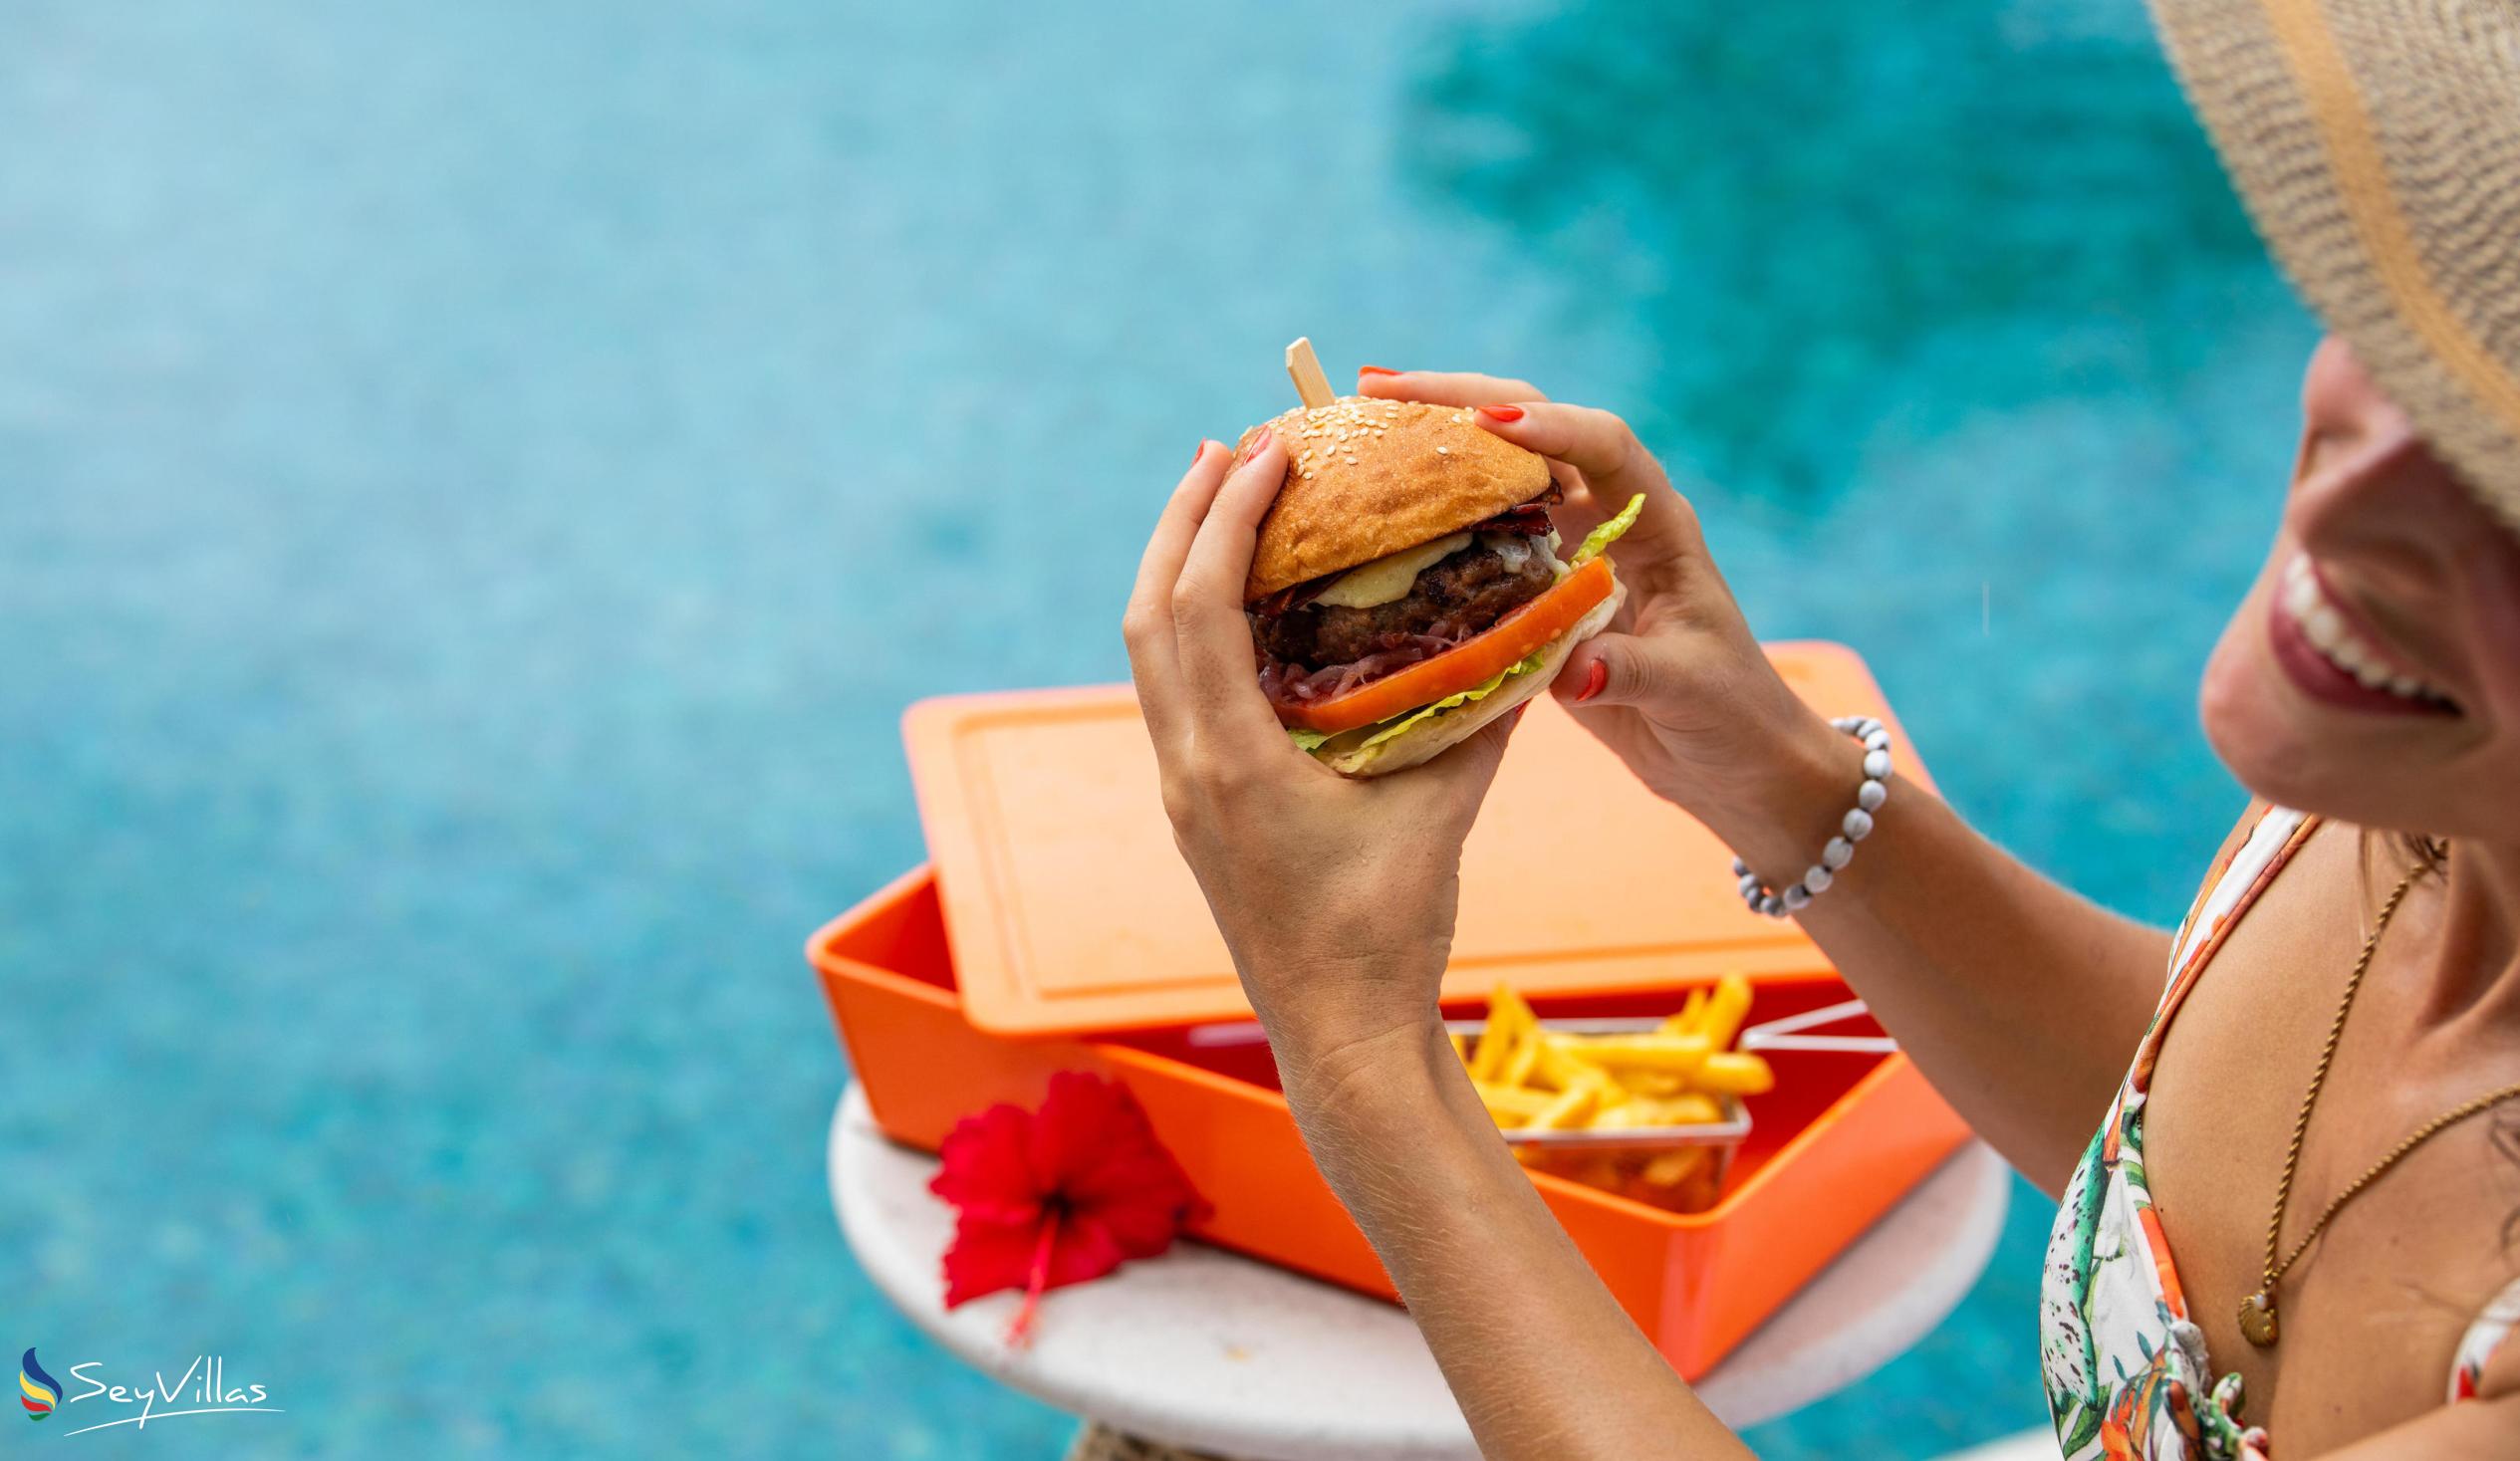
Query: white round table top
(1210, 1351)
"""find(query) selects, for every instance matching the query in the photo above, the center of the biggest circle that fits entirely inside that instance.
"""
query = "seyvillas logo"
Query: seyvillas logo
(203, 1389)
(37, 1391)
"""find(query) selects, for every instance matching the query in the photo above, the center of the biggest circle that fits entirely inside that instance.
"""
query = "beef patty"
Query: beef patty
(1459, 596)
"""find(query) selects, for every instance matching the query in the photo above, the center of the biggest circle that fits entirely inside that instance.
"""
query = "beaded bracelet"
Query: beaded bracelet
(1853, 828)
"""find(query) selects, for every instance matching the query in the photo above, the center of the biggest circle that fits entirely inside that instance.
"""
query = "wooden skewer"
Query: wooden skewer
(1304, 369)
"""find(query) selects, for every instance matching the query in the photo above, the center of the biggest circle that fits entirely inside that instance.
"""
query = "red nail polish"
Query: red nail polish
(1259, 443)
(1501, 412)
(1196, 453)
(1594, 680)
(1365, 370)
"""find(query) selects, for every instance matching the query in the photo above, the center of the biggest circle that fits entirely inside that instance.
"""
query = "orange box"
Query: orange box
(1839, 1139)
(1070, 911)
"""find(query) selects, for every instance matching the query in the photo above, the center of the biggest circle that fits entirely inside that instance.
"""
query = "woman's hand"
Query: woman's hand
(1676, 685)
(1335, 896)
(1932, 924)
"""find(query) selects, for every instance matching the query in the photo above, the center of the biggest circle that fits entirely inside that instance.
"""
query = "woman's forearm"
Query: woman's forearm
(2018, 999)
(1543, 1360)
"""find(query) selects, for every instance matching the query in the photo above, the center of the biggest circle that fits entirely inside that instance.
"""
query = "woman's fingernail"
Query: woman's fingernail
(1516, 718)
(1198, 451)
(1365, 370)
(1594, 680)
(1501, 412)
(1259, 443)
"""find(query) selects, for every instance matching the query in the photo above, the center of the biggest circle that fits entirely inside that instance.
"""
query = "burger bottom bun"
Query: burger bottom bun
(1429, 739)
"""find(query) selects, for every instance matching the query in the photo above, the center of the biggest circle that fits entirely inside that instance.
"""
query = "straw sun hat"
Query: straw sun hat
(2377, 143)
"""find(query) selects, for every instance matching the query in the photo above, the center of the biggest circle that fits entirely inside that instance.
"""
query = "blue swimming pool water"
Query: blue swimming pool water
(479, 481)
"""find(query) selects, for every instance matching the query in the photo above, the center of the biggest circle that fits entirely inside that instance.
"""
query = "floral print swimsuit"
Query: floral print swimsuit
(2126, 1369)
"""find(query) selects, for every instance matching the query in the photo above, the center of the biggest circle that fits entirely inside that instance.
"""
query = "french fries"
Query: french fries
(1646, 1110)
(1567, 1109)
(1532, 1079)
(1721, 1019)
(1509, 1022)
(1511, 1105)
(1736, 1073)
(1669, 1054)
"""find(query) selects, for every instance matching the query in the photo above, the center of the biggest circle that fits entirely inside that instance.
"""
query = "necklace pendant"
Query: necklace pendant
(2257, 1318)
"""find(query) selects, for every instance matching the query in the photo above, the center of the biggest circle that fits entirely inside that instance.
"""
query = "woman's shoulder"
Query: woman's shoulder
(2257, 839)
(2241, 829)
(2263, 830)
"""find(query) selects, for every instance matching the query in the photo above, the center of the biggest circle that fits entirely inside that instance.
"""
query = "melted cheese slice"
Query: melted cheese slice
(1387, 580)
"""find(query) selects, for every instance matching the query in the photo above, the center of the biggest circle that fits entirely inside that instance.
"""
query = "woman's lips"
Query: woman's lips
(2325, 652)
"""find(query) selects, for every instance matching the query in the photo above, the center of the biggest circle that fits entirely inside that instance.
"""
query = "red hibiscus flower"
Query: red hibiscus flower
(1059, 1197)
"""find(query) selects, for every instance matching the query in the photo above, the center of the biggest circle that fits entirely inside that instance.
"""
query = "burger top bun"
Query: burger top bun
(1365, 478)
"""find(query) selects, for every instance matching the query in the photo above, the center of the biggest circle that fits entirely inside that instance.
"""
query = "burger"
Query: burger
(1406, 588)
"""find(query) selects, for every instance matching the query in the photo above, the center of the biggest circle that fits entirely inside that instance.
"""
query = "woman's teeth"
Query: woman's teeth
(2338, 643)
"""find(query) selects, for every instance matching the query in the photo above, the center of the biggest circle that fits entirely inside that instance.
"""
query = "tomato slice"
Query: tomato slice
(1466, 665)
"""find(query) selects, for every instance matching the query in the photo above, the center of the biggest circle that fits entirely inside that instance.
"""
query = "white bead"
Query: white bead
(1856, 825)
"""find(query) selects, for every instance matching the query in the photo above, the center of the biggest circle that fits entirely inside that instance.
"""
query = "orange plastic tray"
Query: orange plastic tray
(1070, 911)
(1839, 1139)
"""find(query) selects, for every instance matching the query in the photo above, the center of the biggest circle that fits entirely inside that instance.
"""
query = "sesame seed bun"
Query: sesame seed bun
(1365, 478)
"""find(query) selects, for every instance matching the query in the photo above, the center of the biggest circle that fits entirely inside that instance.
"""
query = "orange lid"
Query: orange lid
(1070, 911)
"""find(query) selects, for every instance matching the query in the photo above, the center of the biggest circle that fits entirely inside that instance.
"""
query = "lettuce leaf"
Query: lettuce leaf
(1599, 538)
(1306, 740)
(1432, 709)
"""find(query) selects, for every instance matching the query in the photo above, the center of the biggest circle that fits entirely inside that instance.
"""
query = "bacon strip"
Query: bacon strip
(1285, 601)
(1292, 684)
(1529, 519)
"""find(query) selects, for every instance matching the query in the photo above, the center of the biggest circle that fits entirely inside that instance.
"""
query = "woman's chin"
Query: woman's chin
(2250, 730)
(2264, 730)
(2283, 746)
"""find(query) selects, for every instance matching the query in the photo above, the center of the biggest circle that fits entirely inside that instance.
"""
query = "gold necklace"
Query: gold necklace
(2257, 1312)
